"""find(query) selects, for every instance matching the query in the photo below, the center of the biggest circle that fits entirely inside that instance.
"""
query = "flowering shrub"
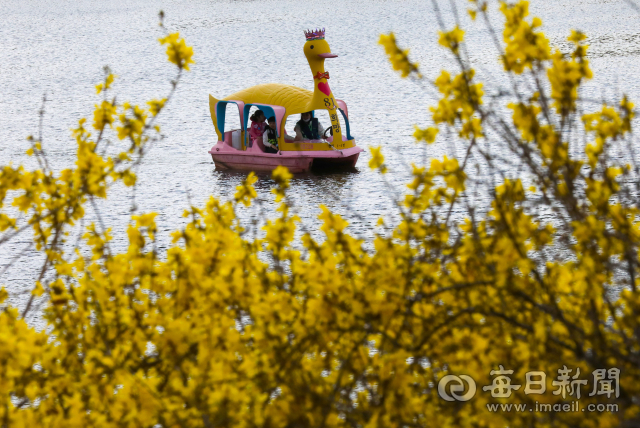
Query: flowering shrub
(226, 330)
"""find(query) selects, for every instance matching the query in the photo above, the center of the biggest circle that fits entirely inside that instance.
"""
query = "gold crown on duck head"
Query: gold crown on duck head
(314, 35)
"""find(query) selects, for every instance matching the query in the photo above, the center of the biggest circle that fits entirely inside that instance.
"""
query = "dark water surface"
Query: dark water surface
(59, 48)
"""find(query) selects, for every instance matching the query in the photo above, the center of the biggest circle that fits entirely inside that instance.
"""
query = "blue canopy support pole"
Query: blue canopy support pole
(244, 124)
(346, 123)
(221, 112)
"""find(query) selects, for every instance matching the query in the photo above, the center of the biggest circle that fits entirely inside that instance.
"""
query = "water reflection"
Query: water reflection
(319, 182)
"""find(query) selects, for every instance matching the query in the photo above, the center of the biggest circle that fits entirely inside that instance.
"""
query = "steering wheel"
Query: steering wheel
(324, 134)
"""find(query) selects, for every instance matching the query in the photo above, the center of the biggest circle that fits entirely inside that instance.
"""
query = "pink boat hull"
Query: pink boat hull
(254, 159)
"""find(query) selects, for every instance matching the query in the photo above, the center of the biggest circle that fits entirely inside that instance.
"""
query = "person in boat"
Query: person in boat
(270, 136)
(258, 126)
(308, 128)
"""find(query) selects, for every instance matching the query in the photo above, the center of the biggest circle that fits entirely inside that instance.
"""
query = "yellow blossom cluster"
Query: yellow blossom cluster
(108, 81)
(399, 58)
(377, 159)
(478, 6)
(177, 50)
(427, 135)
(460, 103)
(452, 39)
(425, 192)
(525, 47)
(51, 203)
(608, 124)
(566, 75)
(245, 191)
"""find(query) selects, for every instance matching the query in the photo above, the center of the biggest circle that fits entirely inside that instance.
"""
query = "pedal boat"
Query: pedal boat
(233, 150)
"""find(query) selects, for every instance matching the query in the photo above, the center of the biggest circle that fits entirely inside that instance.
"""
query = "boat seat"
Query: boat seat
(260, 145)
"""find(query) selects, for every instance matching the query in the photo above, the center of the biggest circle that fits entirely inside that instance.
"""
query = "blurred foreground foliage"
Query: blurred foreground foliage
(327, 333)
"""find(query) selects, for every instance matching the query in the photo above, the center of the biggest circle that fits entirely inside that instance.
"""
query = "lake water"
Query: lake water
(59, 49)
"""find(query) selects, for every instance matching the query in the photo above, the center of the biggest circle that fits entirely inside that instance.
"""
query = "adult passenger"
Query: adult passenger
(308, 128)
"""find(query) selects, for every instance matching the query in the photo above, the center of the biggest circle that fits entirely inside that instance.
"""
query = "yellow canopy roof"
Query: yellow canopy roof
(295, 100)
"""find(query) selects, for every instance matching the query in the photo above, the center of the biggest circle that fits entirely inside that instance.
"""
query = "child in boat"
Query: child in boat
(270, 136)
(308, 128)
(258, 126)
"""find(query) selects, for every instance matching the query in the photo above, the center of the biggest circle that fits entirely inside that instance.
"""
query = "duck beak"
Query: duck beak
(328, 55)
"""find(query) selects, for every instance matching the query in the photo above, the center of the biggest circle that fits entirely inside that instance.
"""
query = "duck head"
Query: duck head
(317, 51)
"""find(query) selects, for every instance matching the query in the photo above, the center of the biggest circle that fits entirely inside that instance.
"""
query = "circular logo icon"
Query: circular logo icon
(456, 385)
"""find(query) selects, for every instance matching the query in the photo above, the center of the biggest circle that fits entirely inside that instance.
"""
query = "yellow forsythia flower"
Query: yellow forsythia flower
(107, 83)
(245, 191)
(103, 115)
(399, 58)
(147, 221)
(377, 160)
(281, 176)
(156, 105)
(524, 44)
(452, 39)
(428, 135)
(177, 50)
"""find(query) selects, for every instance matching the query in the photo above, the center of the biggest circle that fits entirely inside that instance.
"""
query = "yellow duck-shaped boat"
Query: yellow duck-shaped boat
(232, 150)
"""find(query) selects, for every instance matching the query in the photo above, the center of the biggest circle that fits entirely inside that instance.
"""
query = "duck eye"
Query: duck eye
(311, 47)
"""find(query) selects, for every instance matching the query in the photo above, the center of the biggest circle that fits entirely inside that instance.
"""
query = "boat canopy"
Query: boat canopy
(221, 110)
(269, 110)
